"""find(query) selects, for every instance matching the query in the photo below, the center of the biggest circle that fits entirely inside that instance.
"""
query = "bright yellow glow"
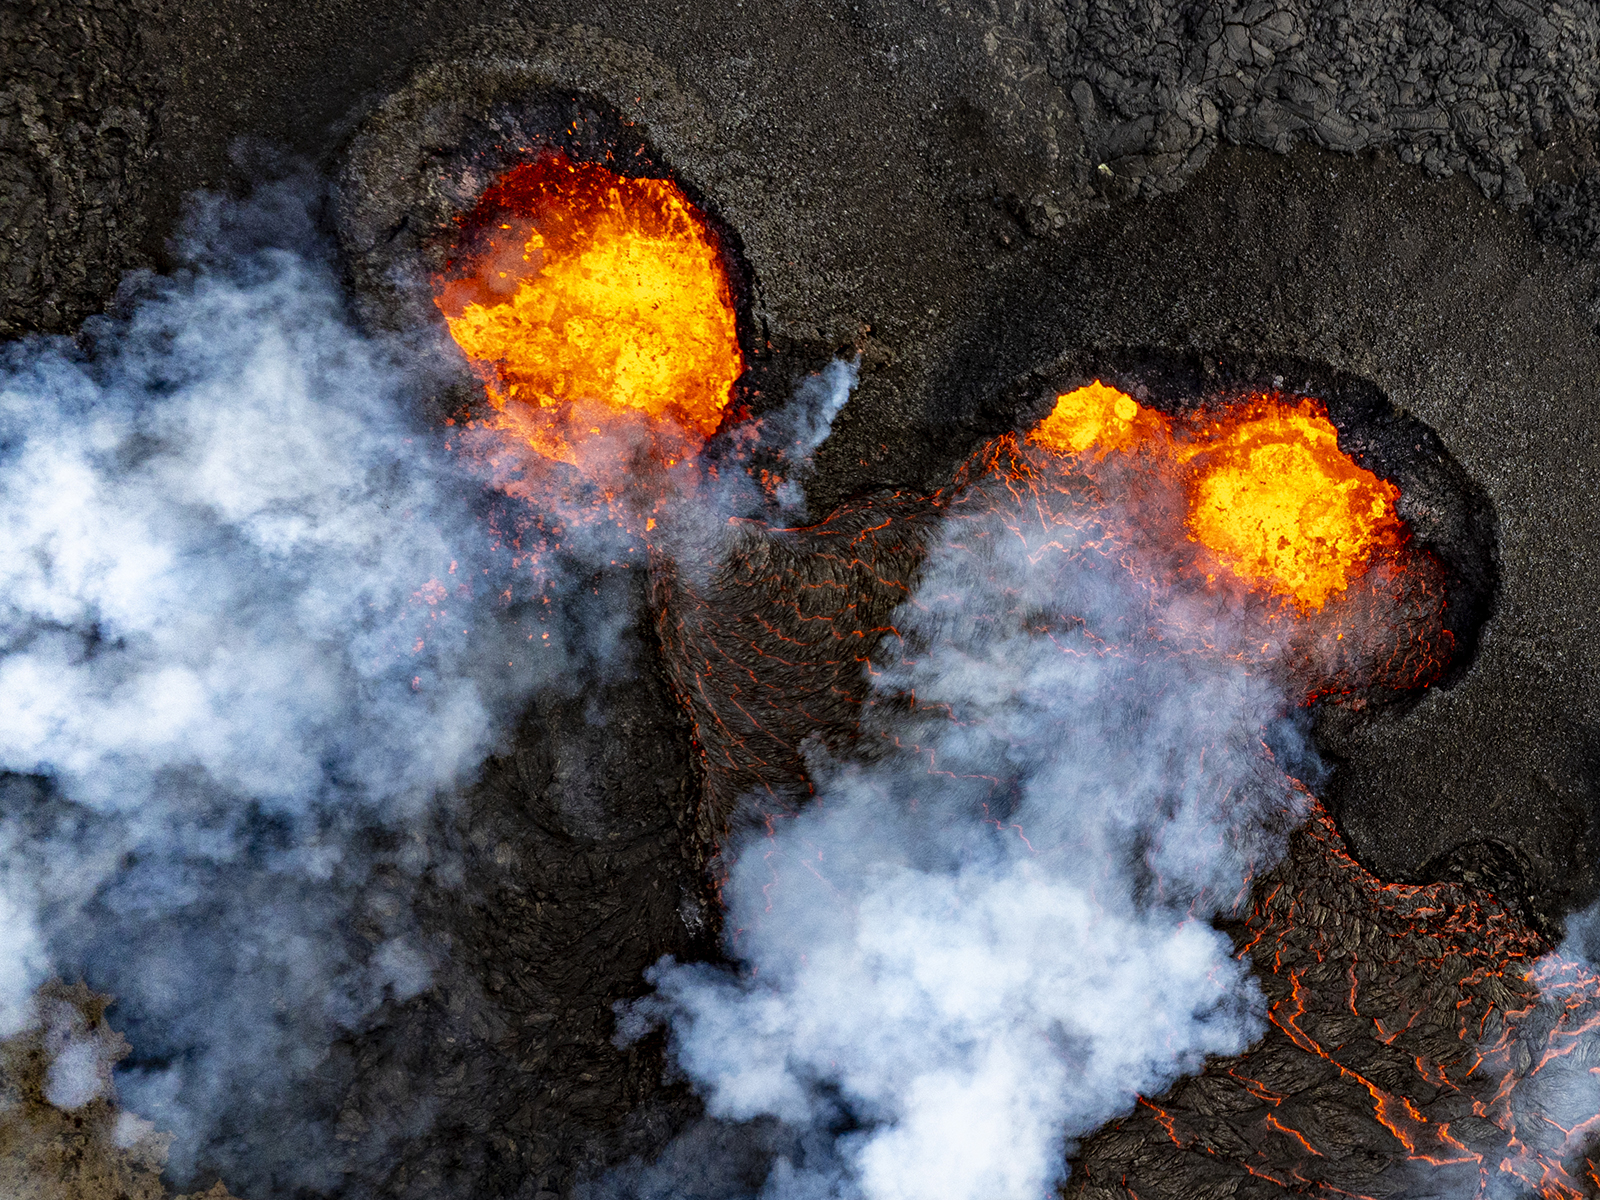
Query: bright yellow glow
(1270, 494)
(1277, 501)
(597, 300)
(1094, 415)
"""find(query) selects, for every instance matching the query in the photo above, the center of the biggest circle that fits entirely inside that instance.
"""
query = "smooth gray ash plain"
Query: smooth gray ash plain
(962, 193)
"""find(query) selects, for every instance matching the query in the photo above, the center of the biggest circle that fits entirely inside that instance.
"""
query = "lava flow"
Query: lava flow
(598, 311)
(1413, 1043)
(1413, 1033)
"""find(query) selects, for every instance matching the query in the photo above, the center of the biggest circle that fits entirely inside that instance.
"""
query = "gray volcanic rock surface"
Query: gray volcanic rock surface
(581, 871)
(1455, 88)
(964, 195)
(78, 111)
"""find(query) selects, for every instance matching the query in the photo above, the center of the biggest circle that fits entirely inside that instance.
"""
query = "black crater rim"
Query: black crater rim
(587, 129)
(440, 224)
(1449, 515)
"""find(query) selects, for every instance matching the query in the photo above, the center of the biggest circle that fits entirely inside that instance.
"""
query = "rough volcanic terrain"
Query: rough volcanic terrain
(968, 197)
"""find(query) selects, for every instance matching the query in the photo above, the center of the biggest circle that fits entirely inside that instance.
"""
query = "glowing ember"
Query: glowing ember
(1270, 493)
(597, 309)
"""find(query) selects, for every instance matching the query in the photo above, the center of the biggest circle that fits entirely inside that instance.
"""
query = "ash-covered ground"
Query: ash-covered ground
(963, 196)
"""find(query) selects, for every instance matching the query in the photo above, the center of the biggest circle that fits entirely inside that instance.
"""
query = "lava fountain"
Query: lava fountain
(597, 309)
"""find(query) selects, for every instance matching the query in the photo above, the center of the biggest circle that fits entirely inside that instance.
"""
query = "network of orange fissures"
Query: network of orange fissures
(1411, 1032)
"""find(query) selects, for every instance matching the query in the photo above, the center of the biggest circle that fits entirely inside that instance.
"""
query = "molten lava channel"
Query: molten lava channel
(1270, 494)
(597, 309)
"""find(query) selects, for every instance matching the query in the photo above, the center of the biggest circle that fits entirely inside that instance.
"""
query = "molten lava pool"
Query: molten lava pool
(598, 310)
(1270, 493)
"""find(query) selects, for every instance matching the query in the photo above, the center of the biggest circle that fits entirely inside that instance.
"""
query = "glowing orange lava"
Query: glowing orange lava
(1270, 493)
(597, 309)
(1277, 501)
(1094, 416)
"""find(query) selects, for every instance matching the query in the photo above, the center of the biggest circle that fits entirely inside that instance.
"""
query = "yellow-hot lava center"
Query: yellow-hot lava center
(1270, 493)
(591, 300)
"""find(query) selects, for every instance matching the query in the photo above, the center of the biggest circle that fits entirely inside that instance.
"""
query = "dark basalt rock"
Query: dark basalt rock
(582, 868)
(79, 105)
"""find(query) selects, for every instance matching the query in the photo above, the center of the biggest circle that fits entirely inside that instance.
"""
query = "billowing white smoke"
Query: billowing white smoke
(986, 938)
(250, 626)
(221, 555)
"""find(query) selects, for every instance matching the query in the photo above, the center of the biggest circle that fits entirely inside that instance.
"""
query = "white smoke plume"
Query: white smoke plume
(804, 424)
(251, 626)
(985, 939)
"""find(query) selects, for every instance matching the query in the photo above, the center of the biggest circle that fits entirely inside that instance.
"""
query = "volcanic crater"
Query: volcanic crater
(976, 266)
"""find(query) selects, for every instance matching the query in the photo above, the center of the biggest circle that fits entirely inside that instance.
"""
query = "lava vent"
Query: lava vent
(596, 307)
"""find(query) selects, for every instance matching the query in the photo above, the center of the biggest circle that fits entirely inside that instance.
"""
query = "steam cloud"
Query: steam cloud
(986, 938)
(254, 621)
(250, 626)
